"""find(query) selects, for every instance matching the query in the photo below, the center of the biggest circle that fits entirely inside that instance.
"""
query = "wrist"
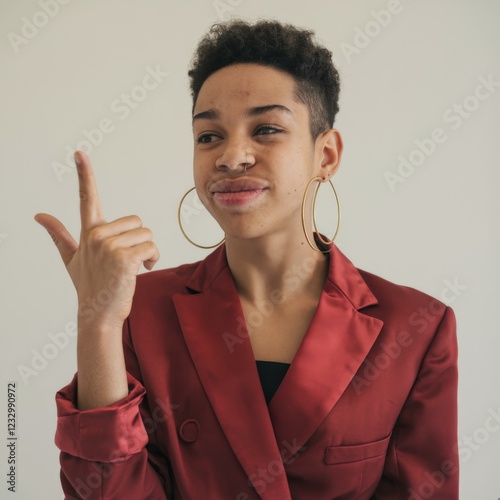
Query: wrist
(100, 326)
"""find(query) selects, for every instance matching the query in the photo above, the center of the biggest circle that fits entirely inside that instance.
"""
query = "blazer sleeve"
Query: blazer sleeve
(422, 459)
(107, 452)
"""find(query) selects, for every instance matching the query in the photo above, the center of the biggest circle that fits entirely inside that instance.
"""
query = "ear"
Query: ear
(329, 147)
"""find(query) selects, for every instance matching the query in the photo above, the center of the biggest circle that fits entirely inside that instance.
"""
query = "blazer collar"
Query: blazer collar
(342, 275)
(332, 350)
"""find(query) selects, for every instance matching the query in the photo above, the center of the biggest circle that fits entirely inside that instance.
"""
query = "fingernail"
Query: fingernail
(77, 158)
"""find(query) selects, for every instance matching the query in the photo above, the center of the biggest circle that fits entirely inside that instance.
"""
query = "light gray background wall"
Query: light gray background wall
(437, 230)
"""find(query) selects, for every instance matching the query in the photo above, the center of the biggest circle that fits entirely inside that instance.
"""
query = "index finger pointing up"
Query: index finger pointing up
(90, 205)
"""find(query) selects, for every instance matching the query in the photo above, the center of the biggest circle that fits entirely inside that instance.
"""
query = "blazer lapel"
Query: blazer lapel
(332, 350)
(213, 325)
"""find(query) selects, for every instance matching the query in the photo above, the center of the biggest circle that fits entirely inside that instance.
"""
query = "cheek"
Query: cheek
(292, 191)
(295, 178)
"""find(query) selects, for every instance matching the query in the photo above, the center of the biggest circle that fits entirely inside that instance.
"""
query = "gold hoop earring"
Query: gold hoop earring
(325, 242)
(184, 232)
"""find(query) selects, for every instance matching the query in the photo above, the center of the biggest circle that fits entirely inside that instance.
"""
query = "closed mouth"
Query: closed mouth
(237, 185)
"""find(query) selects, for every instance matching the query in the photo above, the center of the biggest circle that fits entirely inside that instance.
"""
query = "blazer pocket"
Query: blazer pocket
(346, 454)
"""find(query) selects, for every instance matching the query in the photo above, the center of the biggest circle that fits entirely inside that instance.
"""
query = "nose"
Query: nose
(234, 159)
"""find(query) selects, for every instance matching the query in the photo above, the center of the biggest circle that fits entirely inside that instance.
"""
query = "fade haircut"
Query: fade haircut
(281, 46)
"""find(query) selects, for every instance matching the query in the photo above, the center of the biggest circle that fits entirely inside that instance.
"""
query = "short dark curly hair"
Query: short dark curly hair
(279, 45)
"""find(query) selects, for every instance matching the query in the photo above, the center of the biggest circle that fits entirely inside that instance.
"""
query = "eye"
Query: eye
(201, 138)
(262, 130)
(273, 130)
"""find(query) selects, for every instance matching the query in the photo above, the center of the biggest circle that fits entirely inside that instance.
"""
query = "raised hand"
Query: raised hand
(104, 265)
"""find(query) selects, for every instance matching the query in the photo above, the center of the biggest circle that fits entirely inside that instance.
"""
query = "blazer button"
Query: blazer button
(189, 430)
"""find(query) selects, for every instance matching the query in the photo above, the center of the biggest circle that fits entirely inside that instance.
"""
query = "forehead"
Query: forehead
(241, 86)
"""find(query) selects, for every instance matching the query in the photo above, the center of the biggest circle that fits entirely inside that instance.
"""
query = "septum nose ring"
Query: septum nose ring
(246, 163)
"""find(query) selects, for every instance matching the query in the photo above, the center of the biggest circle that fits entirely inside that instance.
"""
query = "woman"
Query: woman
(358, 376)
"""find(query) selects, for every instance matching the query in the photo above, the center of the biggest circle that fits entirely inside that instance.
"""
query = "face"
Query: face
(246, 116)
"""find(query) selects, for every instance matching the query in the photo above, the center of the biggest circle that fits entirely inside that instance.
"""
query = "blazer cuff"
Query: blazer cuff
(109, 434)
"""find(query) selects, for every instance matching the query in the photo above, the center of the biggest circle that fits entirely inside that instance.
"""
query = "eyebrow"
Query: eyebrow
(212, 114)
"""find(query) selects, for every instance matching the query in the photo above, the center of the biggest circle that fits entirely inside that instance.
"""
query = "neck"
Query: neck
(276, 267)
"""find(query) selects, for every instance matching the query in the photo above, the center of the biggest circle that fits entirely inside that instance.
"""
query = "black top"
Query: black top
(271, 374)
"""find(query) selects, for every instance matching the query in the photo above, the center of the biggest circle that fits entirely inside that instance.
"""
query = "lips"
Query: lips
(237, 185)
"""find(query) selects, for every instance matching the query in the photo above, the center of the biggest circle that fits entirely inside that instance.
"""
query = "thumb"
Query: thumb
(64, 242)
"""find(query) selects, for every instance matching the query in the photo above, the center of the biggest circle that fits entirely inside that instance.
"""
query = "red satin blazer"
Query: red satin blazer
(367, 409)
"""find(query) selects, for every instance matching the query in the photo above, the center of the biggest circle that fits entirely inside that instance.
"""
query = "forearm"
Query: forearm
(102, 376)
